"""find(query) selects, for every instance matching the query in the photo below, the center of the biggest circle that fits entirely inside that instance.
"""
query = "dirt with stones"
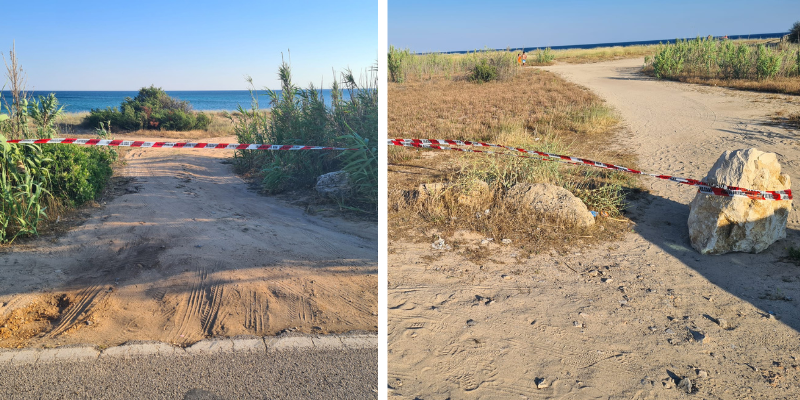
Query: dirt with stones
(186, 252)
(636, 319)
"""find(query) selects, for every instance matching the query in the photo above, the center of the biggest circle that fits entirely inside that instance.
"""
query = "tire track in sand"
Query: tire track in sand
(85, 301)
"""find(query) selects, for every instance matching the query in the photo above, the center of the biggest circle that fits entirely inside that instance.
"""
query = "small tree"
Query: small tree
(794, 33)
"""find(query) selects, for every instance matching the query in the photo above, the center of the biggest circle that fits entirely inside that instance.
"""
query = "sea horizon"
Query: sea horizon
(618, 44)
(76, 101)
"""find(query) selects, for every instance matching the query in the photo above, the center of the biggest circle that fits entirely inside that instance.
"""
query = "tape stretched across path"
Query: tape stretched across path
(719, 190)
(174, 145)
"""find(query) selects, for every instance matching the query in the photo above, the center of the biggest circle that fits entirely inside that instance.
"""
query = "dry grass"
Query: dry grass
(535, 110)
(70, 124)
(584, 56)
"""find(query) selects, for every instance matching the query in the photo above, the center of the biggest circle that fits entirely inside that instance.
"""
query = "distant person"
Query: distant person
(524, 57)
(519, 58)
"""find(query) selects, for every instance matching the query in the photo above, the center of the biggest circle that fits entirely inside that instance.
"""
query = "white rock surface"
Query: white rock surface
(552, 200)
(718, 225)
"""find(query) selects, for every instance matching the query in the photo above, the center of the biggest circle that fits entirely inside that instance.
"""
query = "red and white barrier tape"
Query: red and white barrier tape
(174, 145)
(720, 190)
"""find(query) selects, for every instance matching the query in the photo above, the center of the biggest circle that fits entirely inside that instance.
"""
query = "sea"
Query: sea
(201, 100)
(639, 43)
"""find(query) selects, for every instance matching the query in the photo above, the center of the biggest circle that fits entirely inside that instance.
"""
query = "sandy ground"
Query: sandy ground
(187, 252)
(625, 319)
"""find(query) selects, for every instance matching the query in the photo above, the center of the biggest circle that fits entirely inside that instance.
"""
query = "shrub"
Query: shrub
(78, 174)
(483, 71)
(794, 33)
(33, 177)
(152, 108)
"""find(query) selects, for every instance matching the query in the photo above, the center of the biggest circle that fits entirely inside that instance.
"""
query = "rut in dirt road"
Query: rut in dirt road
(184, 250)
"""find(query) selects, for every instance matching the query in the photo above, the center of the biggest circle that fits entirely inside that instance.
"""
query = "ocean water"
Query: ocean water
(640, 43)
(201, 100)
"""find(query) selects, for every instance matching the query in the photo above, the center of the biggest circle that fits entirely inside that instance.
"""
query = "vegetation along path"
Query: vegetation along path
(187, 251)
(627, 319)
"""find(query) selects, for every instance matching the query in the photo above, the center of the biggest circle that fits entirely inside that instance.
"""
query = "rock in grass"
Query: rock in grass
(334, 184)
(552, 200)
(474, 193)
(718, 224)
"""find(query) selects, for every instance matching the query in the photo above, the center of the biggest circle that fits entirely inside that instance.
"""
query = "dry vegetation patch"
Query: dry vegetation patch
(534, 110)
(583, 56)
(784, 117)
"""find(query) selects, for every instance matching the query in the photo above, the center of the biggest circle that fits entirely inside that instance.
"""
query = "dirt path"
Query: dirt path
(186, 253)
(625, 319)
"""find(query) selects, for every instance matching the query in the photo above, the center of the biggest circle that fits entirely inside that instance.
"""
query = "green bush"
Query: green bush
(78, 174)
(483, 71)
(794, 33)
(152, 108)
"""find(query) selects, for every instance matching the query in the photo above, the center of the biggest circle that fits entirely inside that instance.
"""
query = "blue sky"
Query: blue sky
(186, 45)
(450, 25)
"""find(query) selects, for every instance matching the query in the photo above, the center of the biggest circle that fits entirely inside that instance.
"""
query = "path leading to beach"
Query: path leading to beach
(188, 251)
(626, 319)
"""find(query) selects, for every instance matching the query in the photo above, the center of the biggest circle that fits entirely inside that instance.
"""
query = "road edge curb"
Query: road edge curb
(132, 349)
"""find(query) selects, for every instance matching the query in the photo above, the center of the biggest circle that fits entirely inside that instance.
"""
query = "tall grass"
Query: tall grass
(723, 59)
(543, 56)
(301, 117)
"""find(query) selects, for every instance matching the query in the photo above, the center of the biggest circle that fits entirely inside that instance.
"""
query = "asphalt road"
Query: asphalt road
(290, 374)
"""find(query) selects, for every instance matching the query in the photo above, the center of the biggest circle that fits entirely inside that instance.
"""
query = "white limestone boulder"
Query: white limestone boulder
(718, 224)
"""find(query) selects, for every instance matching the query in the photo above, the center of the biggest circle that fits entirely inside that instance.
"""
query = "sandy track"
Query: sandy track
(189, 252)
(623, 319)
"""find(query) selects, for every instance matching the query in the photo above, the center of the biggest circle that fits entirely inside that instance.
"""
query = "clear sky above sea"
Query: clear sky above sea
(187, 45)
(450, 25)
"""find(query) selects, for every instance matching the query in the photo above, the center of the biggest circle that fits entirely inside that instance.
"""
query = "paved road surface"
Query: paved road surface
(298, 370)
